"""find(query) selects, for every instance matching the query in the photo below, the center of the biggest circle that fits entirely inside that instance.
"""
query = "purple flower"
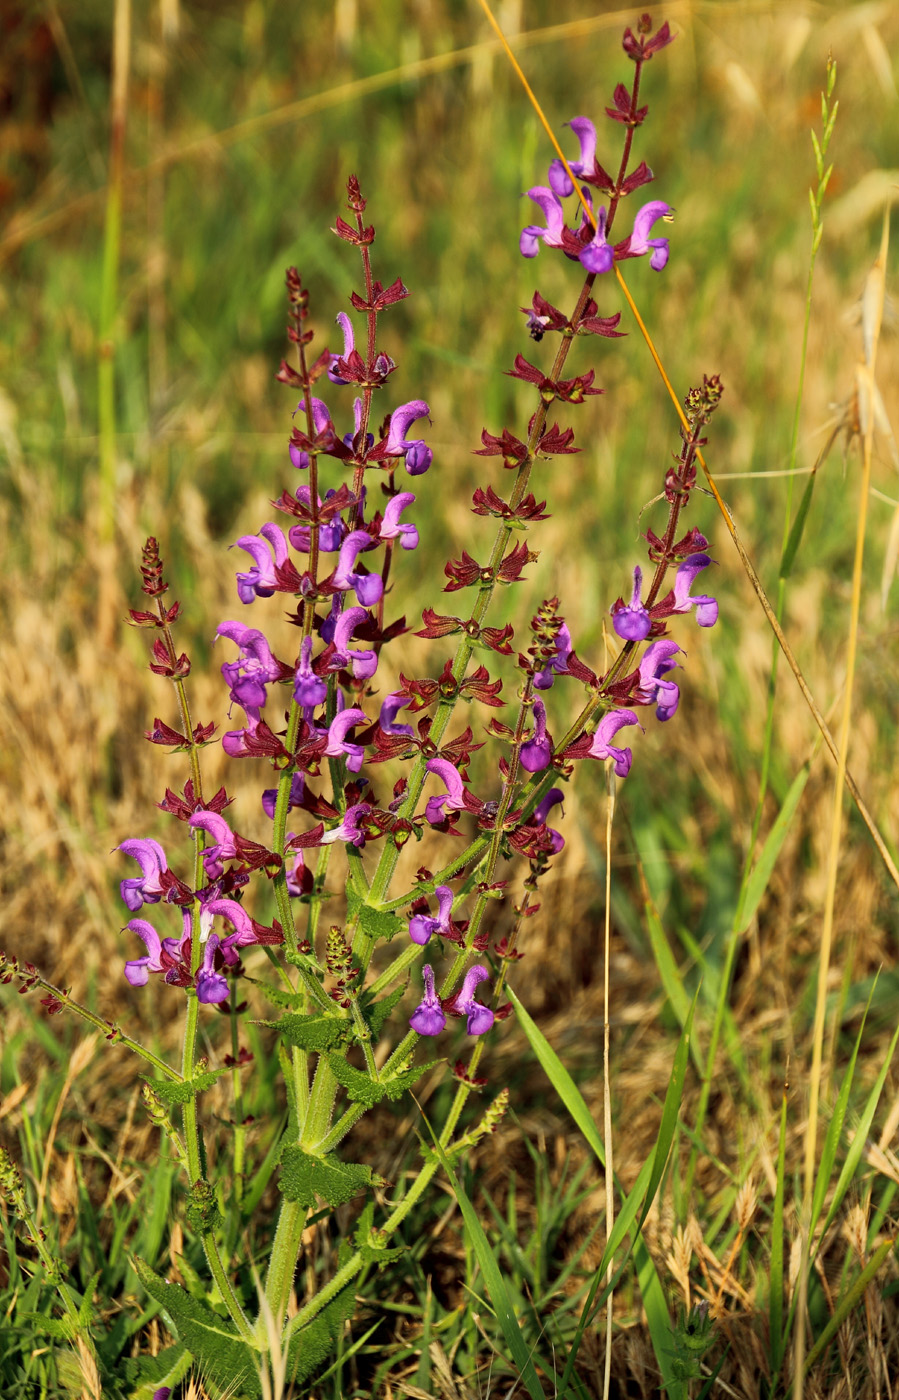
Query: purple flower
(349, 345)
(337, 742)
(309, 689)
(260, 581)
(454, 797)
(553, 235)
(223, 848)
(369, 588)
(330, 534)
(144, 888)
(558, 664)
(421, 926)
(138, 970)
(297, 793)
(480, 1018)
(538, 751)
(212, 986)
(706, 606)
(585, 132)
(162, 1393)
(428, 1017)
(361, 664)
(656, 660)
(417, 453)
(598, 256)
(255, 667)
(541, 812)
(349, 830)
(631, 620)
(244, 935)
(321, 422)
(639, 243)
(390, 526)
(234, 742)
(602, 748)
(390, 708)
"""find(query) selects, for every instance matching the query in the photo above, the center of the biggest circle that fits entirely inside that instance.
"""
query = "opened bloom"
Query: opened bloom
(602, 747)
(639, 243)
(479, 1017)
(255, 667)
(369, 588)
(706, 606)
(657, 659)
(631, 620)
(421, 926)
(428, 1017)
(144, 888)
(267, 553)
(537, 752)
(418, 456)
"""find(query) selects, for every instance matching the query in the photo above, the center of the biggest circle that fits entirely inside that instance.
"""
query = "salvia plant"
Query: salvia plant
(376, 856)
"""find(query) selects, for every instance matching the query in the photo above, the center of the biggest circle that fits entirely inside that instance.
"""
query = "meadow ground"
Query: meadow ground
(244, 121)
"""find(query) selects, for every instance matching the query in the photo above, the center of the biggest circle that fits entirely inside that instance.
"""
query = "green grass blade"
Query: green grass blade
(493, 1277)
(776, 1287)
(761, 874)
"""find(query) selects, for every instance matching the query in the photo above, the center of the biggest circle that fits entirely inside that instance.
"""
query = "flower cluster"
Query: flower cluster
(332, 557)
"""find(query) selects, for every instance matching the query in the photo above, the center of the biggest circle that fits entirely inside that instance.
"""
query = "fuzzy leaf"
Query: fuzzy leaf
(183, 1090)
(312, 1345)
(359, 1086)
(146, 1374)
(305, 1177)
(277, 995)
(377, 1012)
(310, 1032)
(221, 1354)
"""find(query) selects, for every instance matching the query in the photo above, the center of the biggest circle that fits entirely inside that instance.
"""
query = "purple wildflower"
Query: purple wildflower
(260, 581)
(597, 255)
(418, 456)
(144, 888)
(212, 986)
(390, 708)
(428, 1017)
(138, 970)
(369, 588)
(480, 1018)
(608, 727)
(234, 741)
(541, 812)
(361, 664)
(391, 529)
(631, 620)
(321, 422)
(255, 667)
(656, 660)
(558, 664)
(223, 848)
(553, 235)
(453, 799)
(349, 345)
(337, 740)
(538, 751)
(421, 926)
(585, 132)
(706, 606)
(349, 831)
(297, 793)
(639, 243)
(309, 689)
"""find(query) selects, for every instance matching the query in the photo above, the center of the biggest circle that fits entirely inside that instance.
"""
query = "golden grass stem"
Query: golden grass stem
(874, 295)
(607, 1076)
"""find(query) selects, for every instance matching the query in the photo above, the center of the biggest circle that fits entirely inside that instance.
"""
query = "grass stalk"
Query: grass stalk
(876, 279)
(609, 1166)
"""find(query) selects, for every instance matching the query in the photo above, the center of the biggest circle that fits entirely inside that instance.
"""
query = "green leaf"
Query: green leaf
(147, 1373)
(305, 1177)
(379, 923)
(670, 974)
(225, 1358)
(395, 1088)
(311, 1032)
(376, 1012)
(761, 874)
(278, 995)
(314, 1343)
(796, 532)
(360, 1087)
(183, 1090)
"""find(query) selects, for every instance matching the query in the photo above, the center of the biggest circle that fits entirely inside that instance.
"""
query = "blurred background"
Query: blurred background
(239, 125)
